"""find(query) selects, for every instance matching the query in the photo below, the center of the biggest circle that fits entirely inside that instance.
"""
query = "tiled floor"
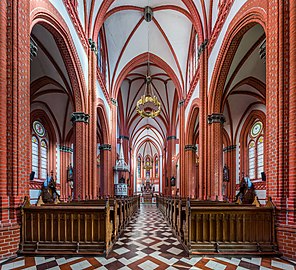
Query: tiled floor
(147, 243)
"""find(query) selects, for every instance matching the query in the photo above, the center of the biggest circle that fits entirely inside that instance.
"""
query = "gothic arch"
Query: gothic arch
(46, 15)
(246, 18)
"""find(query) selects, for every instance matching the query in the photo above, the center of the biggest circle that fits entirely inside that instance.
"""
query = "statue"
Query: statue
(70, 176)
(225, 173)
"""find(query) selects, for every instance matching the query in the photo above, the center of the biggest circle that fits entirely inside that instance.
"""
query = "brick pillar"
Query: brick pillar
(292, 122)
(203, 153)
(65, 157)
(190, 171)
(15, 124)
(105, 156)
(184, 189)
(280, 107)
(92, 137)
(171, 151)
(79, 120)
(216, 121)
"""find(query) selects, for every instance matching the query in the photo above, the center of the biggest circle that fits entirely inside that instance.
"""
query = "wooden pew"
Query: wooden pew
(207, 227)
(66, 229)
(76, 227)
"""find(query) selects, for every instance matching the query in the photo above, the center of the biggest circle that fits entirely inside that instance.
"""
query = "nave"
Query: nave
(147, 243)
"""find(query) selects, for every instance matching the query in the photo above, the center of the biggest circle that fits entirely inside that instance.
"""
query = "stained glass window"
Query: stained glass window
(35, 155)
(256, 150)
(260, 156)
(252, 160)
(43, 159)
(39, 151)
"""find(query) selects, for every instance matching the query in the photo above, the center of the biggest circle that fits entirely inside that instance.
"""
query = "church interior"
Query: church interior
(153, 134)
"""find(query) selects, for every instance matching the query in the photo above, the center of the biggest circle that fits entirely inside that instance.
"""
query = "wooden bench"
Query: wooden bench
(206, 227)
(80, 227)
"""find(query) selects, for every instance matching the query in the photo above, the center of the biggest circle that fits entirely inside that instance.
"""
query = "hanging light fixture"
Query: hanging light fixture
(148, 105)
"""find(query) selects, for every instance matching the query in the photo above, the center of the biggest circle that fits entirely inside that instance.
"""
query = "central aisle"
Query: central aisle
(147, 242)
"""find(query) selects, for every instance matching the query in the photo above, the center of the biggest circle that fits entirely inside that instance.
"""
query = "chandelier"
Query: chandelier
(148, 105)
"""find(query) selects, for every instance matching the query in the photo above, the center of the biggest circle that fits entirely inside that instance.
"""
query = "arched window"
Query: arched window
(139, 167)
(256, 150)
(39, 151)
(43, 159)
(35, 155)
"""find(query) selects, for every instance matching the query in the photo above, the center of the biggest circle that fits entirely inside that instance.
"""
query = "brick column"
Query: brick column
(92, 131)
(79, 120)
(190, 171)
(65, 157)
(216, 121)
(230, 161)
(184, 190)
(105, 156)
(203, 153)
(171, 151)
(280, 107)
(15, 124)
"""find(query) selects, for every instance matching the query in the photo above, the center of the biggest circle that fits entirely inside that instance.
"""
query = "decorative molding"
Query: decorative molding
(229, 148)
(124, 137)
(216, 118)
(76, 22)
(67, 149)
(171, 138)
(257, 185)
(33, 48)
(222, 16)
(190, 147)
(104, 147)
(80, 117)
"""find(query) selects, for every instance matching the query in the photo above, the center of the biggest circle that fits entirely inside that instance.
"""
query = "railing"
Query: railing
(206, 227)
(85, 227)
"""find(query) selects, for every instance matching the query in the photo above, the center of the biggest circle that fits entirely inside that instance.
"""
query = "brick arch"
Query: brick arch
(45, 14)
(140, 59)
(252, 13)
(193, 114)
(103, 120)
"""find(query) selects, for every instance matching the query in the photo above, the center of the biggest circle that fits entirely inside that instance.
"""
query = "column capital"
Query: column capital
(173, 137)
(113, 101)
(124, 137)
(190, 147)
(229, 148)
(80, 117)
(64, 148)
(216, 118)
(106, 146)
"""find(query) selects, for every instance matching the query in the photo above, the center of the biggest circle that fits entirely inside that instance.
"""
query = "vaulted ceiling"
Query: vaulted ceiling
(131, 42)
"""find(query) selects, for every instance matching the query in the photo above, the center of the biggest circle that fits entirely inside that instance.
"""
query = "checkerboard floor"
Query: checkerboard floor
(147, 244)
